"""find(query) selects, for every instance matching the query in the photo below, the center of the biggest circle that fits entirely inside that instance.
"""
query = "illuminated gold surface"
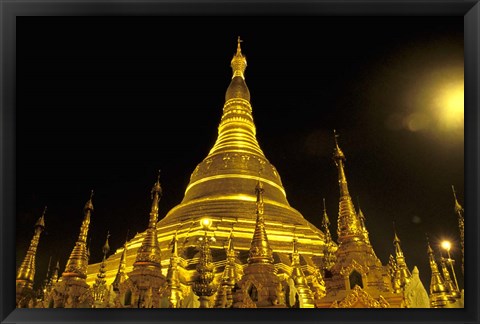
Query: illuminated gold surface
(438, 291)
(221, 188)
(149, 254)
(402, 275)
(461, 223)
(26, 271)
(356, 264)
(78, 260)
(300, 280)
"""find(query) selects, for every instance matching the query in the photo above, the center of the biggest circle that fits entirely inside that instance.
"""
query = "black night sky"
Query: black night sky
(103, 103)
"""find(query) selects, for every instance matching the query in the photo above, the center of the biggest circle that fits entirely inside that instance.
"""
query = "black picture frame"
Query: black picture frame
(470, 10)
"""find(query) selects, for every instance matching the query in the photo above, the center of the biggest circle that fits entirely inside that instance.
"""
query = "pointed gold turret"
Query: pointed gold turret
(78, 261)
(326, 224)
(328, 254)
(260, 251)
(438, 291)
(174, 289)
(224, 298)
(349, 227)
(453, 292)
(121, 275)
(362, 220)
(402, 275)
(148, 254)
(99, 287)
(55, 273)
(26, 271)
(356, 265)
(300, 281)
(259, 285)
(461, 223)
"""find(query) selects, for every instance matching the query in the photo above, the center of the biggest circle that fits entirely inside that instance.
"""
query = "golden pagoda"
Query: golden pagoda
(221, 189)
(438, 291)
(26, 271)
(357, 278)
(72, 290)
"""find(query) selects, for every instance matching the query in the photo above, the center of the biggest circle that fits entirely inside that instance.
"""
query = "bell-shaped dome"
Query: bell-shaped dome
(237, 89)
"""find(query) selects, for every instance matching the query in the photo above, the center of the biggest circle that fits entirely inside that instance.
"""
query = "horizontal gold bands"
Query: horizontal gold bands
(235, 197)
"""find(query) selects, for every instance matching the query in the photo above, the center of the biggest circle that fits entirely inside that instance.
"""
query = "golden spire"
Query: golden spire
(55, 272)
(224, 298)
(326, 224)
(120, 277)
(328, 255)
(78, 260)
(348, 223)
(438, 291)
(402, 275)
(260, 251)
(299, 279)
(149, 253)
(237, 132)
(458, 207)
(47, 280)
(105, 250)
(361, 219)
(204, 286)
(26, 271)
(173, 276)
(449, 285)
(239, 62)
(99, 287)
(461, 223)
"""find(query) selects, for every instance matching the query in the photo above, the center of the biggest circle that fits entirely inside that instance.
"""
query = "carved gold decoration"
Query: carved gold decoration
(359, 298)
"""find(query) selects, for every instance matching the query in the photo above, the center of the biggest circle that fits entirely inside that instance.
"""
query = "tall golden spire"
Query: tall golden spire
(55, 272)
(260, 251)
(361, 219)
(461, 223)
(99, 287)
(326, 224)
(402, 275)
(173, 276)
(449, 285)
(348, 223)
(121, 276)
(438, 291)
(149, 253)
(328, 254)
(300, 280)
(47, 282)
(224, 298)
(237, 132)
(26, 271)
(78, 260)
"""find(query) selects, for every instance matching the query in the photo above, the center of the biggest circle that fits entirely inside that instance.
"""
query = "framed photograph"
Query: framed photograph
(239, 161)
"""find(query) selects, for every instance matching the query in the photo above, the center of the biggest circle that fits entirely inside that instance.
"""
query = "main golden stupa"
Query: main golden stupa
(222, 189)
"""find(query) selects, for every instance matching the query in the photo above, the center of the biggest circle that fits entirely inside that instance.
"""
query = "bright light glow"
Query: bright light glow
(206, 223)
(446, 245)
(452, 106)
(434, 104)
